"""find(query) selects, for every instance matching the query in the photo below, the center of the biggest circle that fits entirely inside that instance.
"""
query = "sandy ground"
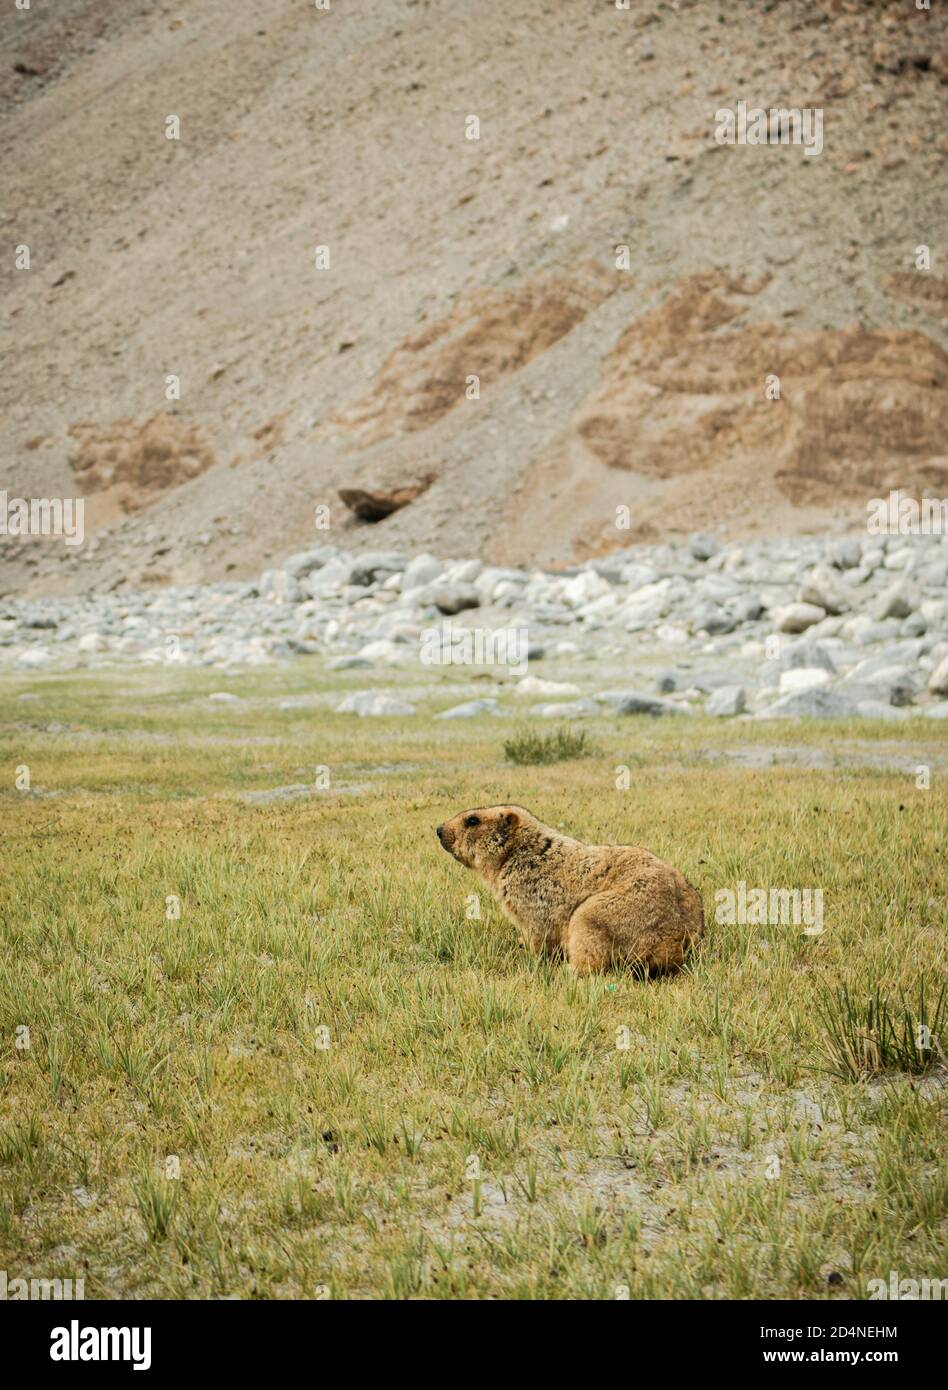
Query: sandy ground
(452, 258)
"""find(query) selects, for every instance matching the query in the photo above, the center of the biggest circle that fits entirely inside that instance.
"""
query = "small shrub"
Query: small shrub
(864, 1038)
(528, 747)
(21, 1145)
(157, 1201)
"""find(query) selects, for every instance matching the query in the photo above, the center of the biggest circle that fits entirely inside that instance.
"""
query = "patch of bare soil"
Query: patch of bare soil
(685, 390)
(135, 462)
(929, 292)
(704, 413)
(488, 336)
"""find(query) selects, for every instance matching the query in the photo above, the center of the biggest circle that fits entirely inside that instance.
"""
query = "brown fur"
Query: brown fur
(600, 905)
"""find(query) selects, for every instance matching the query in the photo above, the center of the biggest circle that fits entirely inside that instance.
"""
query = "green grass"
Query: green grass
(369, 1088)
(865, 1037)
(528, 748)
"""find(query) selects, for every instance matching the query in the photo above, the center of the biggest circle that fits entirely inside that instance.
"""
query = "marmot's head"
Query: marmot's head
(482, 839)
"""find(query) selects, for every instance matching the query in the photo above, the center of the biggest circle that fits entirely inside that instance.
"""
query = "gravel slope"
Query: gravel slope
(451, 257)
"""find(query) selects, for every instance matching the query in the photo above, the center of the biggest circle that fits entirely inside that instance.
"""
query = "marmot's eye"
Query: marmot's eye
(472, 820)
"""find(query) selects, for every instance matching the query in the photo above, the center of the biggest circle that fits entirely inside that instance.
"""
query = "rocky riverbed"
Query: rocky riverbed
(801, 626)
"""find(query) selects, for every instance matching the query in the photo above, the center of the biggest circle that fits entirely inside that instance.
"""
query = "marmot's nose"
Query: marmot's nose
(440, 833)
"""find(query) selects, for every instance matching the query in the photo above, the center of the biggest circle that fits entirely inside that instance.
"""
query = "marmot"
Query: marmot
(600, 905)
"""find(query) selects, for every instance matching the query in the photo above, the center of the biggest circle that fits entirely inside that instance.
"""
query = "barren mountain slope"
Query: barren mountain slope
(452, 258)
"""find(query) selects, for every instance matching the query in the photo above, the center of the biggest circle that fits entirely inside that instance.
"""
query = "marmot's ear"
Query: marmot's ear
(508, 823)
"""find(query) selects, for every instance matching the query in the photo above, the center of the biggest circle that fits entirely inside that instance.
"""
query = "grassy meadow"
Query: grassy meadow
(280, 1045)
